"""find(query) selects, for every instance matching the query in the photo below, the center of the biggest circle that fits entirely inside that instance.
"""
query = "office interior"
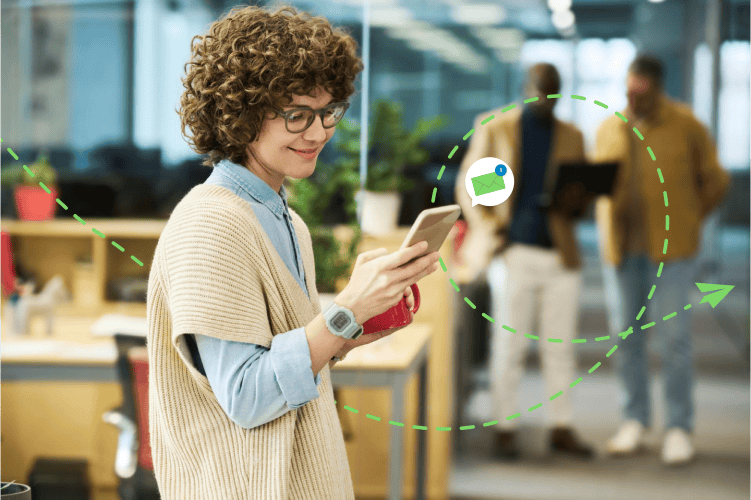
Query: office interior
(94, 84)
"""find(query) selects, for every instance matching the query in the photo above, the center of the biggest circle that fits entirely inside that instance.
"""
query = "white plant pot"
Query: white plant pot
(379, 212)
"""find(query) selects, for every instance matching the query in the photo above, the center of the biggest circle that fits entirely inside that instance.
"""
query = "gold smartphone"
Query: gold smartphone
(432, 225)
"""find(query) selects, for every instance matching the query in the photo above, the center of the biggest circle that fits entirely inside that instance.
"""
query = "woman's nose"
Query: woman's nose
(316, 132)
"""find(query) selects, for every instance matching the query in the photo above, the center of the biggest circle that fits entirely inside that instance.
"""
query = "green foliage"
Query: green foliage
(17, 175)
(391, 146)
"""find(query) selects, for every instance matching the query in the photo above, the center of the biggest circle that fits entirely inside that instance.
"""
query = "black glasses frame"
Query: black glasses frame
(316, 112)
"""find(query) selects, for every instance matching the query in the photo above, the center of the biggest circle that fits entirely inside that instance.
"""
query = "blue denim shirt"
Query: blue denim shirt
(254, 384)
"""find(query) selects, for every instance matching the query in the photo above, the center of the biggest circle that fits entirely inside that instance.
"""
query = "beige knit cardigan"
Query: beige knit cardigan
(215, 272)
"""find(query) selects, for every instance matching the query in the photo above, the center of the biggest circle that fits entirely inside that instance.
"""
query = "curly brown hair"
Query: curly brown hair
(249, 64)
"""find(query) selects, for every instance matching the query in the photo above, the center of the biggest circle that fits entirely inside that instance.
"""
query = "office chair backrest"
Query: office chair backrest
(139, 362)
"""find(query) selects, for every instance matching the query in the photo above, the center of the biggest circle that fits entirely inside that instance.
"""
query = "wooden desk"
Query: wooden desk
(390, 362)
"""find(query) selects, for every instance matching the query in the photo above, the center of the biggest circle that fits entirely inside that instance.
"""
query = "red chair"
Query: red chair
(133, 462)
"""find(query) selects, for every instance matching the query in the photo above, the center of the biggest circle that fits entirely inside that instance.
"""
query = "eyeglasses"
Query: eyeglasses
(299, 119)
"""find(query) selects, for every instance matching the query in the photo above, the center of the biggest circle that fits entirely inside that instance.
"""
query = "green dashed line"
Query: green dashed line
(453, 151)
(665, 197)
(556, 341)
(486, 424)
(578, 341)
(638, 134)
(466, 136)
(533, 337)
(659, 270)
(466, 427)
(45, 188)
(486, 120)
(665, 318)
(531, 99)
(136, 260)
(373, 417)
(442, 264)
(508, 108)
(665, 247)
(470, 303)
(59, 202)
(97, 232)
(75, 216)
(556, 395)
(13, 154)
(456, 287)
(398, 424)
(651, 292)
(619, 115)
(443, 167)
(651, 154)
(576, 382)
(488, 318)
(349, 408)
(611, 351)
(659, 174)
(29, 171)
(667, 222)
(554, 96)
(114, 244)
(581, 98)
(508, 328)
(598, 339)
(648, 325)
(443, 428)
(538, 405)
(420, 427)
(687, 307)
(595, 367)
(638, 316)
(512, 417)
(601, 104)
(432, 198)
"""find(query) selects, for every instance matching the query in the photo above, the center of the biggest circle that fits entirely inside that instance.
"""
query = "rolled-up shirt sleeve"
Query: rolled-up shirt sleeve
(254, 384)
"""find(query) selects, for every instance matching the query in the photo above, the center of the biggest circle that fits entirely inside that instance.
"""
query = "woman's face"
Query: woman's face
(274, 154)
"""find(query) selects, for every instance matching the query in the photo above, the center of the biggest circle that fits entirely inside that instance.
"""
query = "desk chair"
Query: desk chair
(133, 462)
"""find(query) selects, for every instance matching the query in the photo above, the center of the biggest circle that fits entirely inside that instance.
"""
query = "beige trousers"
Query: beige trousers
(528, 282)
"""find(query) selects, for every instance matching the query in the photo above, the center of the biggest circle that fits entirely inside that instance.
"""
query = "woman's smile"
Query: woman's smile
(308, 154)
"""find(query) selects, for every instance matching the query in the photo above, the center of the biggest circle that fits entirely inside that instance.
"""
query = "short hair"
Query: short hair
(649, 66)
(544, 77)
(250, 63)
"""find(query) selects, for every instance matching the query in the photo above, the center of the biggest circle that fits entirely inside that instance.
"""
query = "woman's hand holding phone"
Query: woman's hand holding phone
(378, 280)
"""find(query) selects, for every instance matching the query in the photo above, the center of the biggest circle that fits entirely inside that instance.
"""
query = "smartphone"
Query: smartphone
(432, 225)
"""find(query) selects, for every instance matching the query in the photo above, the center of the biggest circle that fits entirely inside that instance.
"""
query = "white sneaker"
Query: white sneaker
(627, 440)
(678, 448)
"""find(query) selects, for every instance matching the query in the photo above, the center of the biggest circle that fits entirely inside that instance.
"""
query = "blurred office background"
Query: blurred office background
(95, 83)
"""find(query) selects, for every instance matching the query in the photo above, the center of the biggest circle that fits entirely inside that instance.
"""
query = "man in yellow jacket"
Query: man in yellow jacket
(650, 229)
(526, 247)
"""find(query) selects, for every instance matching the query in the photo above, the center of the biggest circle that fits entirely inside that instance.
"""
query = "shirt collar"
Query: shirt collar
(245, 180)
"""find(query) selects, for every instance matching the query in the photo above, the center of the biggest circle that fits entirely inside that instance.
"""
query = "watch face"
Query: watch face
(340, 321)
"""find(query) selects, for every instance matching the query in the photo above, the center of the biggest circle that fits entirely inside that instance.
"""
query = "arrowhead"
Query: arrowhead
(718, 292)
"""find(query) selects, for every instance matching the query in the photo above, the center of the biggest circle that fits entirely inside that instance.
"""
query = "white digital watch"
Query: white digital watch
(341, 322)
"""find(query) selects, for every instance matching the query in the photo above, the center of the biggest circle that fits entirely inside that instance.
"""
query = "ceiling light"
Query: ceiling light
(390, 16)
(563, 19)
(556, 5)
(478, 14)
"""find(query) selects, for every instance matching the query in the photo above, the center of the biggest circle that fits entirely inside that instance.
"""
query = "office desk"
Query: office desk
(390, 362)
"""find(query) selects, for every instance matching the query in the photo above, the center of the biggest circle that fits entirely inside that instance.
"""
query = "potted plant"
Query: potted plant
(334, 246)
(33, 202)
(391, 150)
(14, 491)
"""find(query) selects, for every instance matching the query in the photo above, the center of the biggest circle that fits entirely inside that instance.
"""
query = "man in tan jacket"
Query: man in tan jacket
(649, 235)
(526, 247)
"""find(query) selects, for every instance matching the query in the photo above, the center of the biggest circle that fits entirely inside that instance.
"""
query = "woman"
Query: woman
(241, 403)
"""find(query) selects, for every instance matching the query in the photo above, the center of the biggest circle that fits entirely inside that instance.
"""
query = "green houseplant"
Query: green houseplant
(391, 149)
(33, 202)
